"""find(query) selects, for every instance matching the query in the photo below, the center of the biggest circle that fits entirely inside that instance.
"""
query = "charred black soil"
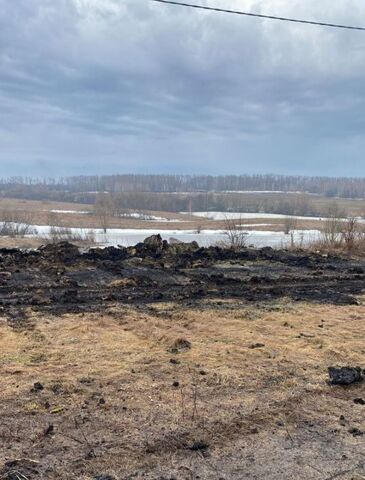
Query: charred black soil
(60, 278)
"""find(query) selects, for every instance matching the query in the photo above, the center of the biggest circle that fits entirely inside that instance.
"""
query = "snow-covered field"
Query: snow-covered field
(247, 216)
(127, 237)
(134, 215)
(250, 216)
(80, 212)
(267, 191)
(151, 218)
(218, 216)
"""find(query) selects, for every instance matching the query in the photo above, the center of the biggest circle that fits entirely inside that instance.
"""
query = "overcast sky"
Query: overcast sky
(119, 86)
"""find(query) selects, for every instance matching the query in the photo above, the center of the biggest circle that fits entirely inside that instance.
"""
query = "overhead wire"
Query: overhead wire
(259, 15)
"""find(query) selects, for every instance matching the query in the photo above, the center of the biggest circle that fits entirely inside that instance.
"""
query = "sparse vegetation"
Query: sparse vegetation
(236, 235)
(340, 234)
(63, 234)
(290, 224)
(332, 227)
(104, 210)
(14, 223)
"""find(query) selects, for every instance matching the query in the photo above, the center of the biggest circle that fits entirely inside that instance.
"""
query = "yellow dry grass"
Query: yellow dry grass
(309, 336)
(248, 369)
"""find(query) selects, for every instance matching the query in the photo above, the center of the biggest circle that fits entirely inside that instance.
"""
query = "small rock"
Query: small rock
(176, 384)
(174, 361)
(359, 401)
(103, 477)
(342, 420)
(86, 380)
(305, 335)
(355, 432)
(102, 401)
(198, 446)
(180, 345)
(344, 375)
(37, 387)
(256, 345)
(154, 242)
(49, 430)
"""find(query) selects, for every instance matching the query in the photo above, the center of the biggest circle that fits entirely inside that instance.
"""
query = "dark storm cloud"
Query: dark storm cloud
(97, 86)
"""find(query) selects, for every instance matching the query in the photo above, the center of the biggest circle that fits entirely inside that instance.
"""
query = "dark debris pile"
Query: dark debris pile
(61, 278)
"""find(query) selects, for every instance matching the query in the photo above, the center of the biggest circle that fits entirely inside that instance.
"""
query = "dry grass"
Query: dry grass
(251, 386)
(40, 214)
(16, 242)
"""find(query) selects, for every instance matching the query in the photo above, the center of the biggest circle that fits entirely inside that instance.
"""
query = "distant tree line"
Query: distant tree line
(221, 202)
(82, 188)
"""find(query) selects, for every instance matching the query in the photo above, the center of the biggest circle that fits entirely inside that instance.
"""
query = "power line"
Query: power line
(270, 17)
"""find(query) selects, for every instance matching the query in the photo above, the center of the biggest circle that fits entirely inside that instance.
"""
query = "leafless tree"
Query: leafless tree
(86, 187)
(353, 233)
(236, 235)
(332, 227)
(104, 210)
(349, 232)
(290, 224)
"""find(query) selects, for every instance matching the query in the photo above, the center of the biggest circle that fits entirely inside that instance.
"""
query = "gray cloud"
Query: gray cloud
(97, 86)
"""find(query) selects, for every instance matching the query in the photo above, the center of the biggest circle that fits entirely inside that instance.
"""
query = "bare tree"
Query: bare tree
(352, 233)
(236, 236)
(290, 224)
(104, 210)
(332, 227)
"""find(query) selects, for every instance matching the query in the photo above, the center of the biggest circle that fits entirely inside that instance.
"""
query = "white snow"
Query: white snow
(70, 211)
(145, 216)
(150, 218)
(267, 191)
(128, 237)
(252, 225)
(250, 215)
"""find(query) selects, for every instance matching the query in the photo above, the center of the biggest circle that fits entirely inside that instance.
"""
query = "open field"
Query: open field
(167, 362)
(132, 226)
(83, 215)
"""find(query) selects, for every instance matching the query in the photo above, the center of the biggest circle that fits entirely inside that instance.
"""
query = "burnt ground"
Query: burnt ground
(58, 278)
(167, 362)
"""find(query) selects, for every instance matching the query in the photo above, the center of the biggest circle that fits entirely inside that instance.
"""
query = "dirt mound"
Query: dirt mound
(59, 278)
(64, 252)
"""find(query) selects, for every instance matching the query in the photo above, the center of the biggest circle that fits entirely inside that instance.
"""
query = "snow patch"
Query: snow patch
(80, 212)
(128, 237)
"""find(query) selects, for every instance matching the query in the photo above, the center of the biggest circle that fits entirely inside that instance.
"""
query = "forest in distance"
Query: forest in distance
(38, 188)
(305, 196)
